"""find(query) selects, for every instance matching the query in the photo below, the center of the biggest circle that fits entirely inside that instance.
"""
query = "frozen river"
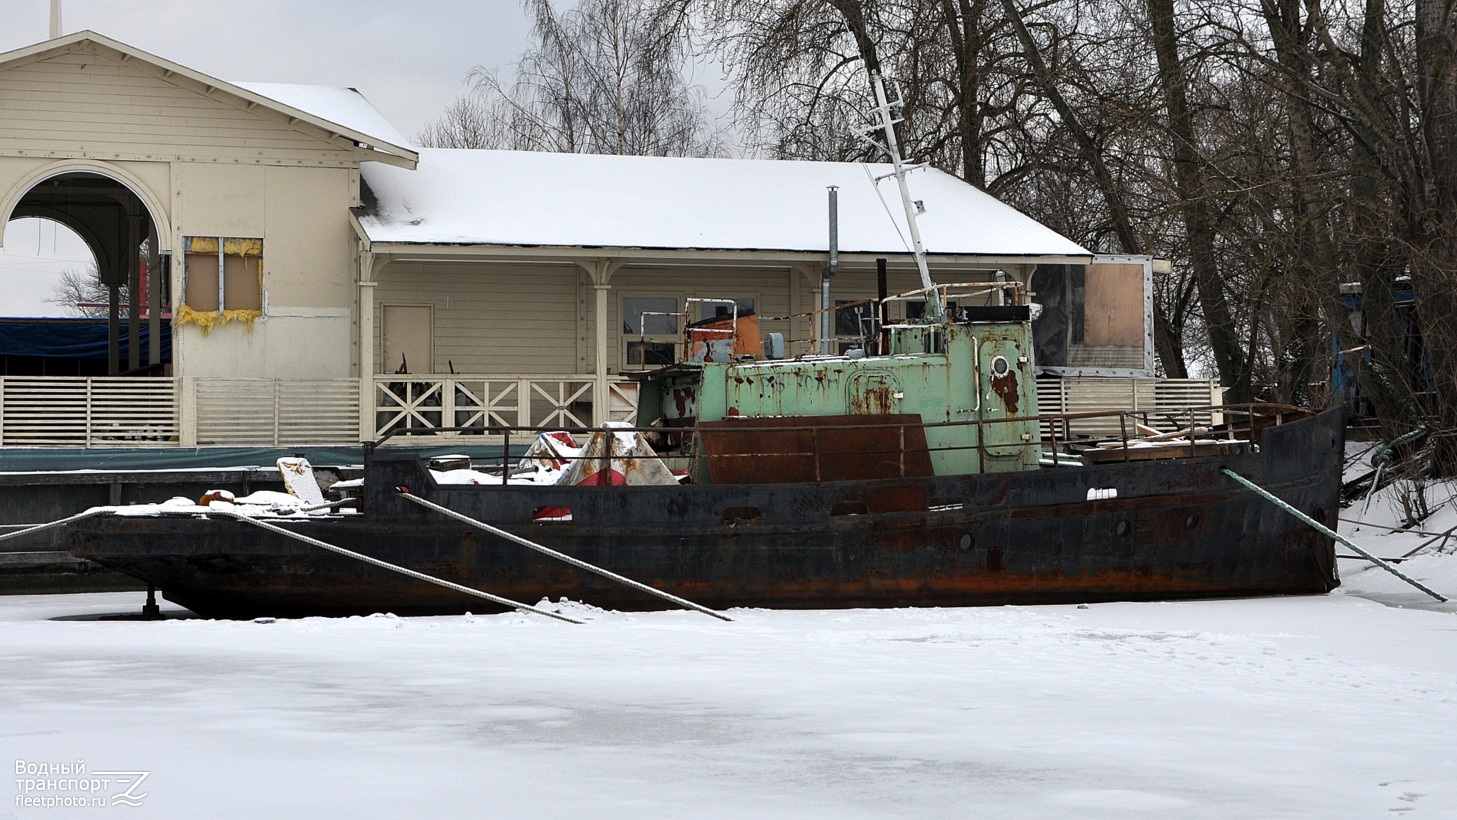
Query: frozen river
(1331, 706)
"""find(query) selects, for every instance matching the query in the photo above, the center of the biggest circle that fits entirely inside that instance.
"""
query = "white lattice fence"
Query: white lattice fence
(102, 411)
(404, 401)
(277, 412)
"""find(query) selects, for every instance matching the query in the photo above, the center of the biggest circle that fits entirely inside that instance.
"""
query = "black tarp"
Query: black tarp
(1059, 289)
(69, 346)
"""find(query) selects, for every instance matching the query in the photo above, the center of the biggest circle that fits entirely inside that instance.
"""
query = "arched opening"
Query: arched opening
(41, 258)
(118, 305)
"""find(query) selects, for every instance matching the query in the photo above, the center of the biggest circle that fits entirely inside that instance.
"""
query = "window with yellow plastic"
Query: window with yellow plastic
(222, 281)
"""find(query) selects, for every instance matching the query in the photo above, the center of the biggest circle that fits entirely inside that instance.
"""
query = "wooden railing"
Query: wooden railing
(145, 411)
(433, 401)
(275, 412)
(1162, 403)
(101, 411)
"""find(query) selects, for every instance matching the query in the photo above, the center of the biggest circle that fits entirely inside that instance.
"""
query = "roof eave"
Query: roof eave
(481, 252)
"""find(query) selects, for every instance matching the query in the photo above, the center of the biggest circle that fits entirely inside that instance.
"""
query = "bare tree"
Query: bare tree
(82, 294)
(1274, 149)
(468, 122)
(605, 77)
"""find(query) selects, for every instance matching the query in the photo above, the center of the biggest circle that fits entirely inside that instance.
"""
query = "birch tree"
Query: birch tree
(603, 77)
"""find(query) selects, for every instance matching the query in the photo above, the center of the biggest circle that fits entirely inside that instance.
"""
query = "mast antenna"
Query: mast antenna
(886, 122)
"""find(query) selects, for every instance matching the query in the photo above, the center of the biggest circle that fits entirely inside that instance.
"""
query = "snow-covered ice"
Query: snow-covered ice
(1330, 706)
(1334, 706)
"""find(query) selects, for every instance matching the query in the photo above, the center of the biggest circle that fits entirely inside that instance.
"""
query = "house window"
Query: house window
(710, 310)
(852, 323)
(650, 328)
(222, 280)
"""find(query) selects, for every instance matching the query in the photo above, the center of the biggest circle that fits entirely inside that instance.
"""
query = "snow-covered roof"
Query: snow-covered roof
(514, 198)
(343, 106)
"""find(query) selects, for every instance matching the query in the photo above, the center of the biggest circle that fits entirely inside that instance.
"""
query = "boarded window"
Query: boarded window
(241, 263)
(1093, 316)
(1113, 310)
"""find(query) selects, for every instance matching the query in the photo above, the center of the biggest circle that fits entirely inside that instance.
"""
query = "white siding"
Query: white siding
(87, 103)
(309, 249)
(490, 318)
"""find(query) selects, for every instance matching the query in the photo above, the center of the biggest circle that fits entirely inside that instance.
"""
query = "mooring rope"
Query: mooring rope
(58, 523)
(576, 562)
(392, 567)
(1327, 530)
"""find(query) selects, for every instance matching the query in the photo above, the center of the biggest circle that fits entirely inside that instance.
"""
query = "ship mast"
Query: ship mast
(886, 122)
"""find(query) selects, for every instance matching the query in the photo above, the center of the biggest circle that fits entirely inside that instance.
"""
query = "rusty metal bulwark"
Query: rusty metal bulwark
(816, 448)
(1181, 530)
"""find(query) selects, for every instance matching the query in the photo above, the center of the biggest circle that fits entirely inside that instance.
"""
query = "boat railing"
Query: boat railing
(1006, 292)
(1178, 433)
(732, 324)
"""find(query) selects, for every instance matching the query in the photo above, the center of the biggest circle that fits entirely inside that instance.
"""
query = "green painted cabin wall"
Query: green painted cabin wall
(944, 386)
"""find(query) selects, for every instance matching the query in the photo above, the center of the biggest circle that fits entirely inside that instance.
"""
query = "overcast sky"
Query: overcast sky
(408, 57)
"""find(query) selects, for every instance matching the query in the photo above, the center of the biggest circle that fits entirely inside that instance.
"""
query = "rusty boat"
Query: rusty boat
(914, 470)
(918, 476)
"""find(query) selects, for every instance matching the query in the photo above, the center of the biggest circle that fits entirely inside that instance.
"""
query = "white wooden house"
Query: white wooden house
(308, 254)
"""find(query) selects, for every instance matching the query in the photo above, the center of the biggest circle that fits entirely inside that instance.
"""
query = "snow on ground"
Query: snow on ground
(1335, 706)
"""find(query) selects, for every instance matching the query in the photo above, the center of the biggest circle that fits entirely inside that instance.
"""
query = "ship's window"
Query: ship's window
(552, 515)
(742, 515)
(845, 508)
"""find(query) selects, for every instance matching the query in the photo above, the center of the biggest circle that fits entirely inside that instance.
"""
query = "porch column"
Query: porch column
(113, 330)
(133, 253)
(367, 285)
(155, 273)
(600, 407)
(601, 271)
(804, 299)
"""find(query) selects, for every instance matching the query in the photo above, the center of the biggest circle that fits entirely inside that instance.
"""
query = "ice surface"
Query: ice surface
(1328, 706)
